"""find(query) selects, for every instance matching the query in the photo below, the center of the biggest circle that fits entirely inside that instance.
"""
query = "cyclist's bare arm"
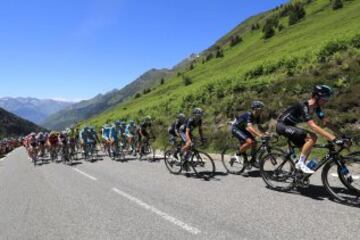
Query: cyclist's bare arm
(253, 131)
(316, 128)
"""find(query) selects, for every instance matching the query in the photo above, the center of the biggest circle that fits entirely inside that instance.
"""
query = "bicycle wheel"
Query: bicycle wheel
(202, 164)
(172, 163)
(277, 172)
(342, 187)
(233, 163)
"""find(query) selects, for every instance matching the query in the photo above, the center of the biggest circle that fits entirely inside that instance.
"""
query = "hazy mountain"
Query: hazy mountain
(33, 109)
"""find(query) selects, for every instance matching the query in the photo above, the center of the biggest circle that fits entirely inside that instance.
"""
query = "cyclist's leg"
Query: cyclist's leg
(302, 139)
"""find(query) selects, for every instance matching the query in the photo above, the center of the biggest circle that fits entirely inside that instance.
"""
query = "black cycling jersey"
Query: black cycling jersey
(243, 120)
(175, 126)
(190, 123)
(144, 125)
(299, 113)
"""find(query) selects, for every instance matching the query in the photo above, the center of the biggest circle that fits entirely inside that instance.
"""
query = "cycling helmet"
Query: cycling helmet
(132, 122)
(322, 91)
(257, 105)
(118, 123)
(147, 119)
(198, 112)
(181, 116)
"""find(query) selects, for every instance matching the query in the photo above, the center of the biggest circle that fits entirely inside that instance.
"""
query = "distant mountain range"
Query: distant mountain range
(102, 102)
(14, 126)
(33, 109)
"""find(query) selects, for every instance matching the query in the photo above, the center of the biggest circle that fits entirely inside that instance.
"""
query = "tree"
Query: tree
(137, 95)
(337, 4)
(162, 81)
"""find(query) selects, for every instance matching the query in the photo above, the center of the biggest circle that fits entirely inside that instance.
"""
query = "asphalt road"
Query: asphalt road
(141, 200)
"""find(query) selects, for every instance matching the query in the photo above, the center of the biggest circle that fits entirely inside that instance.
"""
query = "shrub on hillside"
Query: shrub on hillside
(235, 40)
(296, 13)
(269, 26)
(255, 27)
(219, 53)
(281, 27)
(209, 56)
(355, 41)
(162, 81)
(331, 48)
(337, 4)
(137, 95)
(187, 81)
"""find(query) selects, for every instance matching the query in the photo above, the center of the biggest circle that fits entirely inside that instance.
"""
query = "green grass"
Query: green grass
(302, 41)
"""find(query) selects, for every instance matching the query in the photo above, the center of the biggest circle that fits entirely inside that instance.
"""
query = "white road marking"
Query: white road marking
(166, 216)
(85, 174)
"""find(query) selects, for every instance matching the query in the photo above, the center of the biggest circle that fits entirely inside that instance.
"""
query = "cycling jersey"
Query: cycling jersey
(295, 114)
(243, 120)
(190, 123)
(174, 128)
(106, 133)
(130, 130)
(299, 113)
(54, 138)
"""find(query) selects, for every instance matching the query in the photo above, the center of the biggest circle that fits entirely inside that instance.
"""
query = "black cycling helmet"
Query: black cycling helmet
(257, 105)
(322, 91)
(181, 116)
(198, 112)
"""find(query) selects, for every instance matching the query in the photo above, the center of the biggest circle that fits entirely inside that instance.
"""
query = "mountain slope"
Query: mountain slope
(32, 109)
(12, 125)
(278, 70)
(100, 103)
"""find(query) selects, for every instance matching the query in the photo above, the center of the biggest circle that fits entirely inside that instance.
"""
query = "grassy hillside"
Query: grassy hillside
(320, 48)
(13, 126)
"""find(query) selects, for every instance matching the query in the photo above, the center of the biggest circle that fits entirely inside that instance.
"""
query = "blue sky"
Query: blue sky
(75, 49)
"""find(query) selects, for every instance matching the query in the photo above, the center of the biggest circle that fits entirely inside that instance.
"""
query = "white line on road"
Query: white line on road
(166, 216)
(85, 174)
(354, 177)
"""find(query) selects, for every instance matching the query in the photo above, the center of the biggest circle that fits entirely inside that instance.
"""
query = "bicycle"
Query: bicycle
(146, 149)
(202, 163)
(236, 162)
(279, 172)
(90, 151)
(117, 151)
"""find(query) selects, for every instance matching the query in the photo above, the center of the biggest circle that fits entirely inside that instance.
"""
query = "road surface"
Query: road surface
(141, 200)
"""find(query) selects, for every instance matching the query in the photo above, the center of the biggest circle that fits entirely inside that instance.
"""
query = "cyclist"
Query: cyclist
(243, 129)
(174, 128)
(121, 132)
(187, 128)
(130, 132)
(143, 132)
(71, 133)
(53, 142)
(114, 137)
(303, 112)
(106, 129)
(40, 137)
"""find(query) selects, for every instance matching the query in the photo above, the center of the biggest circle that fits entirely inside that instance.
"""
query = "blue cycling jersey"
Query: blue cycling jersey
(106, 132)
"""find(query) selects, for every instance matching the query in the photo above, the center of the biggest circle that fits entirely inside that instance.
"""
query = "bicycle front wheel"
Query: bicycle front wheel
(202, 164)
(343, 186)
(277, 172)
(233, 163)
(173, 162)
